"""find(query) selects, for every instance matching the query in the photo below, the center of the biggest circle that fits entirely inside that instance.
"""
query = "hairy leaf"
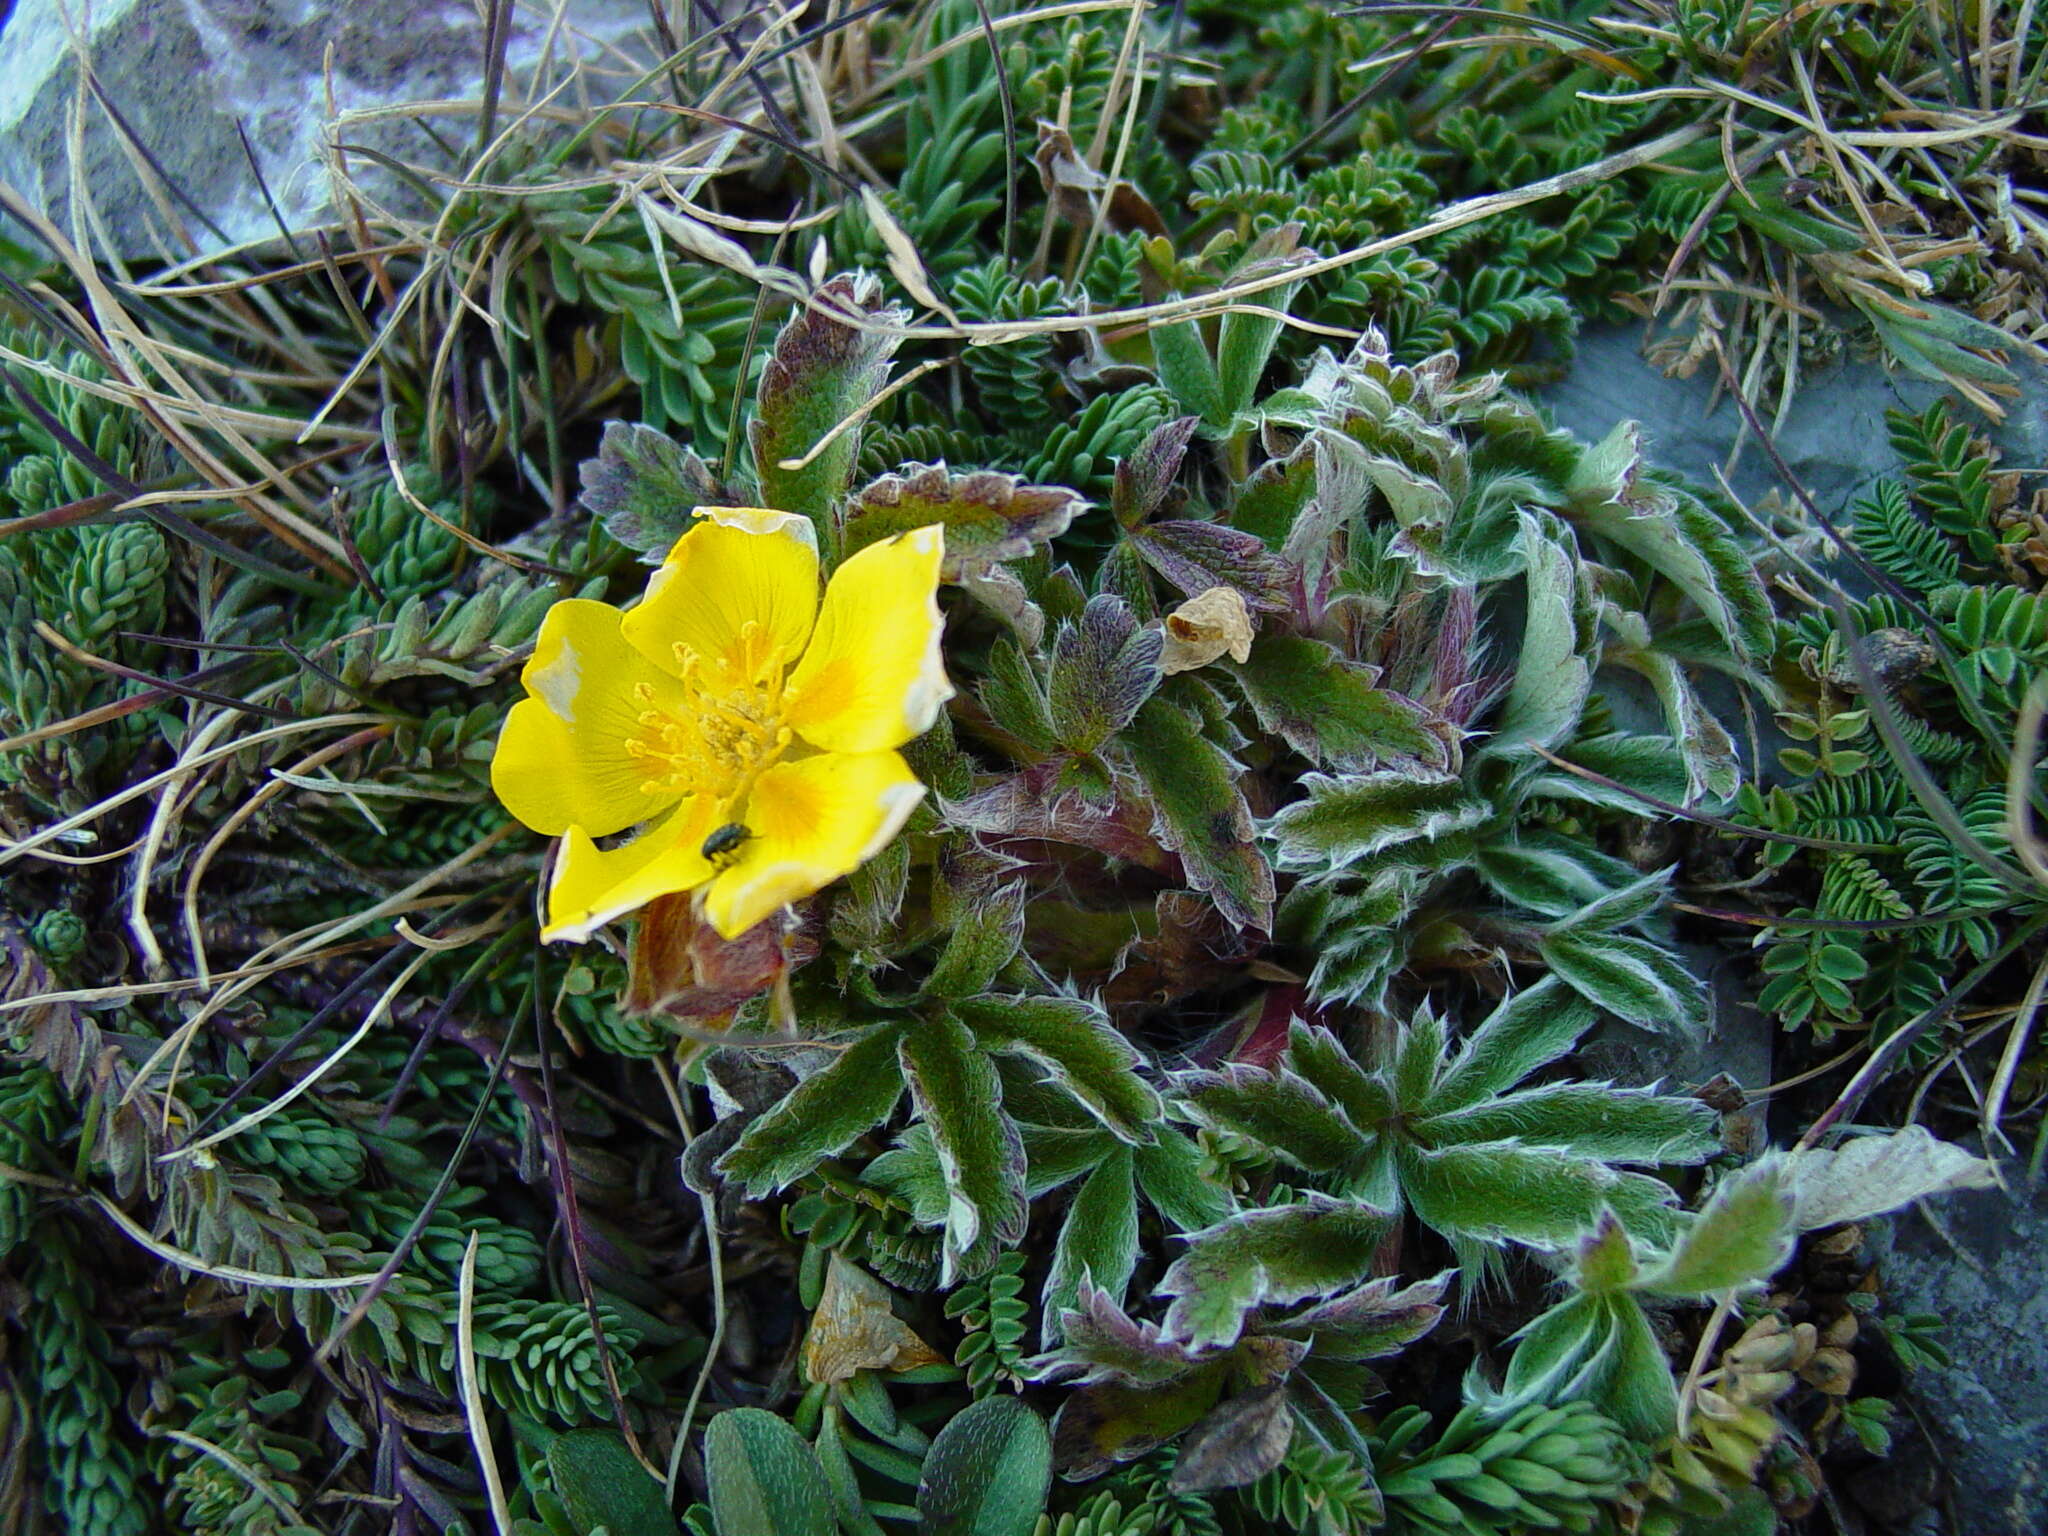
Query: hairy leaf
(1103, 1343)
(954, 1088)
(1552, 674)
(1631, 978)
(1104, 668)
(1201, 813)
(1504, 1192)
(988, 517)
(1145, 479)
(1344, 820)
(1526, 1031)
(644, 486)
(1616, 1125)
(1328, 710)
(1267, 1257)
(765, 1481)
(1098, 1240)
(1075, 1044)
(821, 371)
(1196, 556)
(987, 1473)
(1743, 1237)
(985, 935)
(1368, 1323)
(1278, 1110)
(1171, 1173)
(600, 1483)
(821, 1115)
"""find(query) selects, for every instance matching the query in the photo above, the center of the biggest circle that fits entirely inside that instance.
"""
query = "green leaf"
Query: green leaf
(1278, 1110)
(1552, 675)
(1244, 340)
(765, 1481)
(1670, 532)
(1326, 1066)
(854, 1518)
(954, 1088)
(1328, 710)
(821, 372)
(1616, 1125)
(600, 1484)
(1098, 1240)
(1502, 1192)
(987, 1473)
(988, 517)
(1200, 813)
(1270, 501)
(1639, 1393)
(1189, 373)
(1619, 909)
(1267, 1257)
(1633, 979)
(1743, 1237)
(1013, 698)
(985, 936)
(857, 1091)
(1344, 820)
(1172, 1175)
(1104, 668)
(1650, 765)
(644, 486)
(1076, 1046)
(1547, 876)
(1562, 1353)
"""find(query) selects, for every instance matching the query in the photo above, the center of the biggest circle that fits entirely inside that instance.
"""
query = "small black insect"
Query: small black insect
(724, 842)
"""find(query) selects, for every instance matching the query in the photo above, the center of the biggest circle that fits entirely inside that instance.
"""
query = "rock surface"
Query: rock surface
(182, 74)
(1833, 437)
(1988, 1413)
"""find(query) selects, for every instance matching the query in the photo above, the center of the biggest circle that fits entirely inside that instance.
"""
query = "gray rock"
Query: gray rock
(1833, 438)
(1988, 1413)
(183, 73)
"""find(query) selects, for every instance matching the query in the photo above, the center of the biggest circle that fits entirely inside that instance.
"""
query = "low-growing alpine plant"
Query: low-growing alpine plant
(648, 889)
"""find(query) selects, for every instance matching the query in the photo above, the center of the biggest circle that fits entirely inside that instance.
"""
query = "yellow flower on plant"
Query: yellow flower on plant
(731, 710)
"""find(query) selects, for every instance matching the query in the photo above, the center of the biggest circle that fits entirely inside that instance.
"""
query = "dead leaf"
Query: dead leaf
(1204, 627)
(1870, 1175)
(855, 1330)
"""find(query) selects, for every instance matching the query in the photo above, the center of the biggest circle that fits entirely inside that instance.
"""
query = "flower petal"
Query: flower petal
(874, 676)
(592, 885)
(738, 565)
(561, 759)
(811, 821)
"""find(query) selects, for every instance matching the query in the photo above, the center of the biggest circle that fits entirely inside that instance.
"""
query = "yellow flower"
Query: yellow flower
(729, 702)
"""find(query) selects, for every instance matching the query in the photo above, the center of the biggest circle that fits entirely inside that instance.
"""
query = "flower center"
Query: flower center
(727, 727)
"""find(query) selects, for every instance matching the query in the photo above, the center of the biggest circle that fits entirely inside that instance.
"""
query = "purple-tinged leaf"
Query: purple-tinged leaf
(1145, 477)
(1103, 670)
(644, 487)
(1104, 1343)
(1368, 1323)
(1099, 1426)
(1196, 556)
(823, 369)
(988, 517)
(1239, 1441)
